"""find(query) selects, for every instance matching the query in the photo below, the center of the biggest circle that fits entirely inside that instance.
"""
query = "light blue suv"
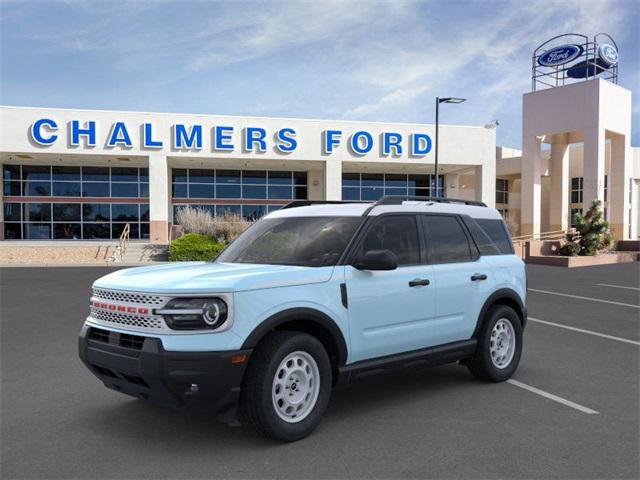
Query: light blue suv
(310, 296)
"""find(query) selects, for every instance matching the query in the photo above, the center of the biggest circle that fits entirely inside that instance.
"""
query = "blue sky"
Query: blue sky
(366, 60)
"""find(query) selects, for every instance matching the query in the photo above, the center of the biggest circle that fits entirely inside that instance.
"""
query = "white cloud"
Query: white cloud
(488, 56)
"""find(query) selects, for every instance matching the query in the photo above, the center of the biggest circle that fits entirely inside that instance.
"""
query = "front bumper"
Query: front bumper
(139, 366)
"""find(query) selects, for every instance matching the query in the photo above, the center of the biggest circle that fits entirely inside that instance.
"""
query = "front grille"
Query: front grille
(125, 340)
(99, 335)
(131, 341)
(128, 320)
(130, 298)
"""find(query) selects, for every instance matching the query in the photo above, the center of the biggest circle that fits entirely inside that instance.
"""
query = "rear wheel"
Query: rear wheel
(499, 345)
(287, 386)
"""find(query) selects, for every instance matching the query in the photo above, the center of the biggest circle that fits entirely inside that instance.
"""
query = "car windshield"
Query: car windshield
(303, 241)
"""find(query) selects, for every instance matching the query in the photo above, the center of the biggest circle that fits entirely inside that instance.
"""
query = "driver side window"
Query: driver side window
(397, 233)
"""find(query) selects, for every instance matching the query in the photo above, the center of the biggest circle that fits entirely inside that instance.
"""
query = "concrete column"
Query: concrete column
(332, 179)
(452, 185)
(485, 183)
(593, 167)
(315, 188)
(559, 194)
(618, 188)
(531, 186)
(159, 198)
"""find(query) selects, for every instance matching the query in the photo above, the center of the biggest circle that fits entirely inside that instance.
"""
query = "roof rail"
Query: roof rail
(398, 199)
(306, 203)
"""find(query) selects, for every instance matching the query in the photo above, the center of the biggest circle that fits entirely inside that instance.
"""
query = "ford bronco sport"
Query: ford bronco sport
(310, 296)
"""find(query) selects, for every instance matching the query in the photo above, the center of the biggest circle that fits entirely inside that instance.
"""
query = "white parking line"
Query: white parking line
(585, 298)
(553, 397)
(616, 286)
(581, 330)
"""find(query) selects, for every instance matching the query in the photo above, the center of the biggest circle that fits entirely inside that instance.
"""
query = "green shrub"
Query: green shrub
(194, 247)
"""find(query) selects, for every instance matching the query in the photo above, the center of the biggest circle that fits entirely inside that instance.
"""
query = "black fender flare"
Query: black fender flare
(315, 319)
(502, 296)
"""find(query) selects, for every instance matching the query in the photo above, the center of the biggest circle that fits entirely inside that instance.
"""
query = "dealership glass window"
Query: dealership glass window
(69, 181)
(573, 212)
(261, 186)
(37, 188)
(66, 189)
(249, 212)
(12, 189)
(36, 172)
(96, 231)
(502, 190)
(74, 220)
(65, 174)
(576, 190)
(12, 212)
(129, 190)
(372, 186)
(66, 212)
(13, 231)
(96, 212)
(37, 231)
(242, 184)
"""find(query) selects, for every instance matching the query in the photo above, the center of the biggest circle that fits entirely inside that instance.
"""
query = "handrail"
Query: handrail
(551, 235)
(123, 243)
(539, 234)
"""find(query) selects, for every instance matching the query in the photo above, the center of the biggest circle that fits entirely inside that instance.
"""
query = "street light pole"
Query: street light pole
(437, 142)
(438, 102)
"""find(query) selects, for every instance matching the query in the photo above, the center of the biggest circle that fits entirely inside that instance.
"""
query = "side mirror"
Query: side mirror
(377, 260)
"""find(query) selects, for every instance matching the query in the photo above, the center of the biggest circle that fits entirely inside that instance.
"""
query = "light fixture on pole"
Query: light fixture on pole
(438, 102)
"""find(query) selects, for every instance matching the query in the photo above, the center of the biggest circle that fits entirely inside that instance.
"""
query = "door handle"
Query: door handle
(478, 276)
(419, 282)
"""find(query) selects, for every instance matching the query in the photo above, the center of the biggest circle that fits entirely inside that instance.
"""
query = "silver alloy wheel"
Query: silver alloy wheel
(503, 343)
(296, 386)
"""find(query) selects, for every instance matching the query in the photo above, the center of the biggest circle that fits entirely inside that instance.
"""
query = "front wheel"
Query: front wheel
(287, 386)
(499, 345)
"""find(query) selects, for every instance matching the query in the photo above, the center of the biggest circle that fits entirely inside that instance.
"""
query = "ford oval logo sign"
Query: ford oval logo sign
(608, 54)
(560, 55)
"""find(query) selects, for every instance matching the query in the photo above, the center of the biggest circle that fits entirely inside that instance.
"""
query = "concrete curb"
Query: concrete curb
(61, 265)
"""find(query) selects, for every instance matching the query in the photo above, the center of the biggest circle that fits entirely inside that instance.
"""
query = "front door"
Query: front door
(391, 311)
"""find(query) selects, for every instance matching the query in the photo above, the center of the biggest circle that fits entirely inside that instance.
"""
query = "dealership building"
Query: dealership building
(86, 174)
(83, 174)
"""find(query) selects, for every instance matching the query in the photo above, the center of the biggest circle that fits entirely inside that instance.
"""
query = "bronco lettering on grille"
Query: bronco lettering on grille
(119, 308)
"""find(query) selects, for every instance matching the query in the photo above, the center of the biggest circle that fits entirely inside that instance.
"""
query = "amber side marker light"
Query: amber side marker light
(238, 358)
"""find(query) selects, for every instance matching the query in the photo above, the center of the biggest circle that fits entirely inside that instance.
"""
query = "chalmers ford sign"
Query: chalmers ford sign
(222, 138)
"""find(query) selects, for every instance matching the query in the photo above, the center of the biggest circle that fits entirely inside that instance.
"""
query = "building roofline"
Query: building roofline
(18, 107)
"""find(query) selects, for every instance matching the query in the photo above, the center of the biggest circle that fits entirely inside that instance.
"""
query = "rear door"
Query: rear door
(462, 278)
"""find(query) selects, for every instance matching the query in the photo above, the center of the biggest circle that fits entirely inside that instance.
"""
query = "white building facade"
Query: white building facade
(85, 174)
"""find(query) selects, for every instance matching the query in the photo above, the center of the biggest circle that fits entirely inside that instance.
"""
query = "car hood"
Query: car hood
(207, 277)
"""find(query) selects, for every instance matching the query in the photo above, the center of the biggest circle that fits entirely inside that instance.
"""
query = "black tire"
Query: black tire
(481, 365)
(257, 407)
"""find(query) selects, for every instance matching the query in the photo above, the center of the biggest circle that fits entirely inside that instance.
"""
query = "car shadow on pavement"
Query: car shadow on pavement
(140, 421)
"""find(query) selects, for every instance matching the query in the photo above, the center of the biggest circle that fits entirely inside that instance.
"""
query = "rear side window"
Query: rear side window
(497, 232)
(446, 239)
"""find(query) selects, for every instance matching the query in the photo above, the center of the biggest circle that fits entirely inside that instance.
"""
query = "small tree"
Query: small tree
(591, 235)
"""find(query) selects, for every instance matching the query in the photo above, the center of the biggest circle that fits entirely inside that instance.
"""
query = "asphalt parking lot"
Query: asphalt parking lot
(572, 411)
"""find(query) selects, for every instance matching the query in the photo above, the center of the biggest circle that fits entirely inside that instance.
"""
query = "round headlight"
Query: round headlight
(214, 313)
(194, 313)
